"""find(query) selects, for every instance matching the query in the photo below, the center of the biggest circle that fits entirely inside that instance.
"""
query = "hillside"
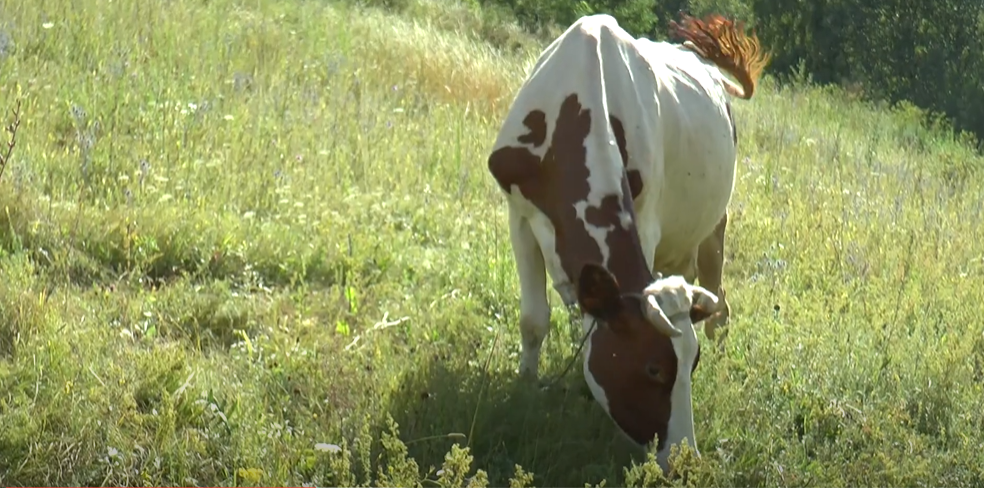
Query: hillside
(256, 244)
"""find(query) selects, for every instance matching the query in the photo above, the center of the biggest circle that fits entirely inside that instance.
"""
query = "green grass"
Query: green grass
(234, 235)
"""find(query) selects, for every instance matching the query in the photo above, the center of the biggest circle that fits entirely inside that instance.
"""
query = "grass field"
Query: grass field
(255, 243)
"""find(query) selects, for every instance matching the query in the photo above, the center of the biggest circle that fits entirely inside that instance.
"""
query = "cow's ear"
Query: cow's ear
(704, 305)
(598, 293)
(699, 313)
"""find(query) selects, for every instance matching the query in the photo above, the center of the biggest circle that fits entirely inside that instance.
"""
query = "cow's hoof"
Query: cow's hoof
(528, 375)
(716, 324)
(720, 337)
(549, 383)
(724, 335)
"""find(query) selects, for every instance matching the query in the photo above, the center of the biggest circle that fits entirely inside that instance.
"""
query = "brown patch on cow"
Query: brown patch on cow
(635, 183)
(620, 361)
(512, 166)
(632, 361)
(635, 178)
(734, 128)
(536, 122)
(696, 360)
(559, 180)
(619, 131)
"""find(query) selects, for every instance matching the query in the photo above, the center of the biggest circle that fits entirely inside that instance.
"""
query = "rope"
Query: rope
(577, 354)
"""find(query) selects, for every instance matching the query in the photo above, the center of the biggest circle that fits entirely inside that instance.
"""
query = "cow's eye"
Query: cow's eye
(655, 373)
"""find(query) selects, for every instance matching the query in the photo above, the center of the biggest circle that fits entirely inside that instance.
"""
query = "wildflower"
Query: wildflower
(251, 474)
(321, 446)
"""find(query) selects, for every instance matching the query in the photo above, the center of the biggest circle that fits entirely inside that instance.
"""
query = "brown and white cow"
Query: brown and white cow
(618, 161)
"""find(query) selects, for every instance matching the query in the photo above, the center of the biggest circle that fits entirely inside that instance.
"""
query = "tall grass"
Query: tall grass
(255, 243)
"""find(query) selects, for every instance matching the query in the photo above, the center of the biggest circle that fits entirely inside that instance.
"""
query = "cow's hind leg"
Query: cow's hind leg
(534, 310)
(710, 268)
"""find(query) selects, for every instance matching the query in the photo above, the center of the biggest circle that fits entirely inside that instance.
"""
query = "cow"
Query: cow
(617, 159)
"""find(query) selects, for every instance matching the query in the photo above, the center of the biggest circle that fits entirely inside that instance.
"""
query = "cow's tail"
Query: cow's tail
(725, 44)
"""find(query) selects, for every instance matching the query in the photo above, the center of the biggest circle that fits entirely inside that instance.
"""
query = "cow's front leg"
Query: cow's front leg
(534, 310)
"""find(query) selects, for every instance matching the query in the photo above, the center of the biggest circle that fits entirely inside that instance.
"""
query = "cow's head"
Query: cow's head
(642, 353)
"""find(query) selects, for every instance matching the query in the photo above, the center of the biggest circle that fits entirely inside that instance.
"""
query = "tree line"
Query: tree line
(928, 53)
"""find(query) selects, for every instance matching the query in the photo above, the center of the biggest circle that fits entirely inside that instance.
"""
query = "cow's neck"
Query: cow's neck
(603, 234)
(588, 200)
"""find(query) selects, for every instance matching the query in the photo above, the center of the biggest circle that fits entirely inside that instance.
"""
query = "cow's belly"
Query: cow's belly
(676, 214)
(690, 207)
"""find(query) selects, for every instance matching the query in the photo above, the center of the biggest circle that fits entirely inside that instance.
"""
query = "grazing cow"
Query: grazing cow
(618, 158)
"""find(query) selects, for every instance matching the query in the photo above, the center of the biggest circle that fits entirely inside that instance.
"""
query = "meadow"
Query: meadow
(255, 243)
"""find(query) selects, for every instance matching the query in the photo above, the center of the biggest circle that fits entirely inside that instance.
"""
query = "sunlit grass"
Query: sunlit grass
(236, 237)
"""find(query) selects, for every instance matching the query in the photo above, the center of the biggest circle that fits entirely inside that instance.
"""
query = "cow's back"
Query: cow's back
(656, 109)
(668, 109)
(573, 65)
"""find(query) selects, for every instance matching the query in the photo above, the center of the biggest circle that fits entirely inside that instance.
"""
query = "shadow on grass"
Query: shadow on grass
(559, 434)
